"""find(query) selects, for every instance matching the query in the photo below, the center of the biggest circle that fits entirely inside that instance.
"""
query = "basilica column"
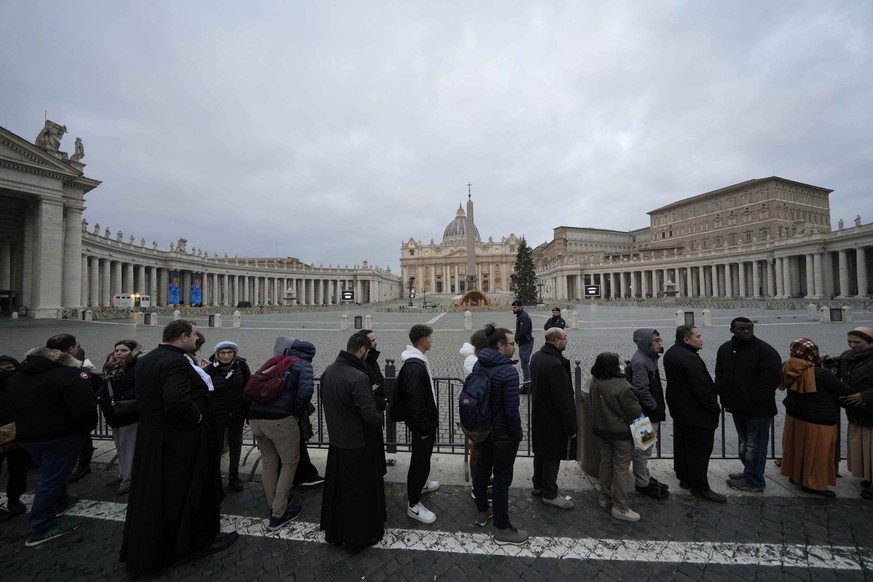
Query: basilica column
(715, 290)
(701, 281)
(861, 270)
(153, 285)
(844, 273)
(769, 265)
(689, 282)
(116, 278)
(141, 280)
(742, 280)
(127, 284)
(778, 270)
(728, 281)
(47, 257)
(72, 278)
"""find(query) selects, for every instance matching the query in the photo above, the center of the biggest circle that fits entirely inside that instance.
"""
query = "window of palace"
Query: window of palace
(718, 241)
(732, 239)
(748, 236)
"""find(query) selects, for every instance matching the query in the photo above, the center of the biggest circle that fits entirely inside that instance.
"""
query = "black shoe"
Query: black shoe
(825, 493)
(684, 485)
(736, 476)
(867, 494)
(653, 491)
(234, 484)
(79, 473)
(866, 484)
(658, 484)
(710, 496)
(11, 509)
(317, 480)
(221, 541)
(525, 389)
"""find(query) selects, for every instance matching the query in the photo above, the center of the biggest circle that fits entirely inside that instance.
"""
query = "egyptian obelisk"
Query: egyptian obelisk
(472, 280)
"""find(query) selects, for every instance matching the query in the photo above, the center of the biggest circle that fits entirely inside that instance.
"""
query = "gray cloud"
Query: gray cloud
(333, 131)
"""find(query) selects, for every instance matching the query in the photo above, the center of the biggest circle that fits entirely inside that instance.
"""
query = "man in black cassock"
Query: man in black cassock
(176, 493)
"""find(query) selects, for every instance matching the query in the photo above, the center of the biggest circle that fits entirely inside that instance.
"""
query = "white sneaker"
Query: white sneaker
(627, 515)
(421, 513)
(430, 486)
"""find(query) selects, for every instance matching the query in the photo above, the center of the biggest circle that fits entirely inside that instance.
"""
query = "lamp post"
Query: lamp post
(540, 285)
(411, 286)
(424, 294)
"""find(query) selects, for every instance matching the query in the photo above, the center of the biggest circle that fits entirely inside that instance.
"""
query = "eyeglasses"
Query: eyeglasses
(508, 343)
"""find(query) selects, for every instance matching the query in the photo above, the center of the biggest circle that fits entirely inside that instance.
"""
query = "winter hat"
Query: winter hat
(225, 345)
(10, 359)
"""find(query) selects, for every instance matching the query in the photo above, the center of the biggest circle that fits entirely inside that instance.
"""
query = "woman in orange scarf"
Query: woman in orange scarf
(812, 408)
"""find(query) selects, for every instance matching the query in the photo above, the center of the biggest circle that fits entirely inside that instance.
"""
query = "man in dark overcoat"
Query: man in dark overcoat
(553, 416)
(174, 505)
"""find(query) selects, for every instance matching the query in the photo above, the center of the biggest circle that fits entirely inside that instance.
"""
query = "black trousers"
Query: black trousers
(419, 464)
(545, 475)
(16, 462)
(234, 430)
(692, 447)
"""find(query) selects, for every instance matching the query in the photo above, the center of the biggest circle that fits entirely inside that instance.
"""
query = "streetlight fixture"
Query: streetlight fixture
(411, 287)
(540, 284)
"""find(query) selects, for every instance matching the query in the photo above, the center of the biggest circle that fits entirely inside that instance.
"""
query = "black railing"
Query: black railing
(451, 440)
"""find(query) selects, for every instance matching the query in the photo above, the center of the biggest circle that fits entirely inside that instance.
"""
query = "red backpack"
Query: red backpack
(268, 383)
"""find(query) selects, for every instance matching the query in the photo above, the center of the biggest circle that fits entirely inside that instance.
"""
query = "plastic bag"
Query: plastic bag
(643, 433)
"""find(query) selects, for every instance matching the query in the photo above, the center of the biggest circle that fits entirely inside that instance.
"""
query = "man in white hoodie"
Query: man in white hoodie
(416, 391)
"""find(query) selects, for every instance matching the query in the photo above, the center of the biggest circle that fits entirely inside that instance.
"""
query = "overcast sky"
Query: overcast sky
(333, 131)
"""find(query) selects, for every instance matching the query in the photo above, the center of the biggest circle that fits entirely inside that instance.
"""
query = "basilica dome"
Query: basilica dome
(456, 232)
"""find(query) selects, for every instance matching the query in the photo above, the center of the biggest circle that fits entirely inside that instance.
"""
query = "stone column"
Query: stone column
(844, 273)
(105, 289)
(728, 280)
(779, 270)
(72, 278)
(861, 270)
(256, 291)
(810, 278)
(116, 278)
(141, 282)
(701, 281)
(756, 281)
(94, 289)
(742, 280)
(715, 290)
(153, 285)
(47, 260)
(818, 275)
(85, 282)
(127, 284)
(5, 264)
(771, 277)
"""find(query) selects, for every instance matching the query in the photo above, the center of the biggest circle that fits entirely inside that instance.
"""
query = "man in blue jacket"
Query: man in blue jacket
(497, 452)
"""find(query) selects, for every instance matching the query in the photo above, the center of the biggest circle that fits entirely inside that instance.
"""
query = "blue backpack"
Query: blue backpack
(474, 405)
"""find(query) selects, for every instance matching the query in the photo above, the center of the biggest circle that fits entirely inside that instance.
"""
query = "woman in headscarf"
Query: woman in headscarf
(812, 408)
(856, 370)
(118, 384)
(229, 374)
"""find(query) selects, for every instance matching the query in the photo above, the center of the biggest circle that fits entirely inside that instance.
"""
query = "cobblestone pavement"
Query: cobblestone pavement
(781, 536)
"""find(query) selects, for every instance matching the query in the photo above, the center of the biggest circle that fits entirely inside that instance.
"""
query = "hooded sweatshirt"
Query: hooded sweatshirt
(468, 351)
(646, 377)
(415, 386)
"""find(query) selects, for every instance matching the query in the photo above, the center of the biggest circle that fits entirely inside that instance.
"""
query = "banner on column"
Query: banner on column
(175, 290)
(196, 288)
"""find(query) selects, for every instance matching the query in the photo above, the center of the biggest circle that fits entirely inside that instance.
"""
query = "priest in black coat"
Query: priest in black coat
(175, 498)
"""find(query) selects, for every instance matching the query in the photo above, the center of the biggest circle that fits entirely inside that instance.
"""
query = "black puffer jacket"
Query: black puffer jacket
(856, 370)
(51, 396)
(227, 401)
(821, 406)
(746, 376)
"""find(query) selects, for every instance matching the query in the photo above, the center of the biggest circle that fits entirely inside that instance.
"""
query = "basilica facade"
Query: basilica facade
(442, 267)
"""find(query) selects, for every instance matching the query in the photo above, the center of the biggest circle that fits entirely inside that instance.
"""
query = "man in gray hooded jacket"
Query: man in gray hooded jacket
(646, 383)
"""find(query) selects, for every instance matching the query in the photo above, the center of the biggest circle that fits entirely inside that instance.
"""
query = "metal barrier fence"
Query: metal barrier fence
(451, 440)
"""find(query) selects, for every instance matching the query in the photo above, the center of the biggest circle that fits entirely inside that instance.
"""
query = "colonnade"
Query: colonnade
(807, 273)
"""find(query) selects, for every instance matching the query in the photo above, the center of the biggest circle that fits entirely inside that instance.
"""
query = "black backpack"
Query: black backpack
(474, 404)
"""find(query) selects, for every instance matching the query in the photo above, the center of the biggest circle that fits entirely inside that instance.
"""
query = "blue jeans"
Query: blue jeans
(753, 432)
(524, 352)
(56, 459)
(502, 464)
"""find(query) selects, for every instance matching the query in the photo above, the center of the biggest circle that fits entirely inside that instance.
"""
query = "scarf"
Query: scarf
(798, 374)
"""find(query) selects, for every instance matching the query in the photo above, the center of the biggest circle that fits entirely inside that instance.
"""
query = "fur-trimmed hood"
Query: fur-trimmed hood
(40, 359)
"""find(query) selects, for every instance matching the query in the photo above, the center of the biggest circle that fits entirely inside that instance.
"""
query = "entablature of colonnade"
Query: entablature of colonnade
(103, 245)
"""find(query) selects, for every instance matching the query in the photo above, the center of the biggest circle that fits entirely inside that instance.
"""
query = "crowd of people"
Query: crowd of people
(173, 415)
